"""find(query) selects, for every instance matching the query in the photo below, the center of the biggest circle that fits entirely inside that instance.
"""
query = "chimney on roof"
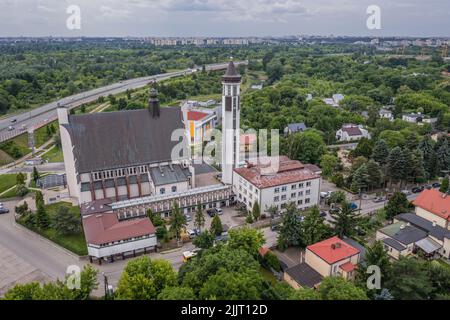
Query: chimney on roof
(153, 103)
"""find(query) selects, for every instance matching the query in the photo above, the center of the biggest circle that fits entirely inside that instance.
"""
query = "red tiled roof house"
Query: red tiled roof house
(332, 257)
(434, 206)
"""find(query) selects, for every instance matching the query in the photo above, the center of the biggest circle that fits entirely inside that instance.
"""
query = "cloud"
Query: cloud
(109, 12)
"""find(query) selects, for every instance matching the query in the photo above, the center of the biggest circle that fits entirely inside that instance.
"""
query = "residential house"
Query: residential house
(434, 206)
(294, 127)
(351, 132)
(337, 98)
(330, 257)
(386, 114)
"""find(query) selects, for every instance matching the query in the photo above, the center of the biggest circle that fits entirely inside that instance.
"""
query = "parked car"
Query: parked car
(10, 128)
(211, 212)
(406, 192)
(353, 205)
(14, 120)
(218, 211)
(323, 214)
(191, 233)
(4, 210)
(428, 187)
(188, 218)
(436, 185)
(417, 189)
(379, 199)
(275, 227)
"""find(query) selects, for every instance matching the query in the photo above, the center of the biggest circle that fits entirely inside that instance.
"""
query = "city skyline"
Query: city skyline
(218, 18)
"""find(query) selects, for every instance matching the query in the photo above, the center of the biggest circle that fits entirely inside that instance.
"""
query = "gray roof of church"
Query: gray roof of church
(112, 140)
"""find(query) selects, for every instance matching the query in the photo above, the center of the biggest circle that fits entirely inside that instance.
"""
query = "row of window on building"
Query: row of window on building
(293, 195)
(119, 172)
(293, 187)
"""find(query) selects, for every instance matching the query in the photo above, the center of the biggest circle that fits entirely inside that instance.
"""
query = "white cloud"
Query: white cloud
(109, 12)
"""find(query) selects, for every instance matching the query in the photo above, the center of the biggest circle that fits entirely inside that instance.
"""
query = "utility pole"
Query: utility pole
(105, 281)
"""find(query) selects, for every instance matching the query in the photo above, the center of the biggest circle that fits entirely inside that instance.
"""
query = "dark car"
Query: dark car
(417, 189)
(4, 210)
(436, 185)
(211, 212)
(275, 227)
(323, 214)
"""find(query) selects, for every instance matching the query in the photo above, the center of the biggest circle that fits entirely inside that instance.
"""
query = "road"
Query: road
(38, 117)
(57, 167)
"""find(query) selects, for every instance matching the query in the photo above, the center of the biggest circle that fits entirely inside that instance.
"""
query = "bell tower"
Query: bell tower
(231, 110)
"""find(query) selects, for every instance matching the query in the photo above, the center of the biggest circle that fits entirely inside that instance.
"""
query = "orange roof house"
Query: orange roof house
(333, 257)
(434, 206)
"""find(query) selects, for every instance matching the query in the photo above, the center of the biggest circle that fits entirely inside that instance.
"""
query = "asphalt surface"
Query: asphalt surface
(38, 117)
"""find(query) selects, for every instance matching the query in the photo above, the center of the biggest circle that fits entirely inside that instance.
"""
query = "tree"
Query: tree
(306, 294)
(42, 218)
(328, 164)
(216, 263)
(232, 286)
(256, 211)
(337, 197)
(216, 226)
(360, 179)
(57, 290)
(247, 239)
(426, 147)
(122, 104)
(364, 148)
(409, 280)
(199, 218)
(337, 288)
(176, 293)
(396, 164)
(144, 279)
(380, 151)
(35, 174)
(20, 178)
(314, 227)
(308, 147)
(38, 198)
(374, 175)
(397, 204)
(291, 229)
(21, 190)
(375, 255)
(444, 185)
(177, 220)
(65, 222)
(22, 209)
(204, 240)
(392, 138)
(345, 220)
(156, 219)
(443, 157)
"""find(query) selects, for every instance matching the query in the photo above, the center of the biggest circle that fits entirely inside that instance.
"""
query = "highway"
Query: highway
(39, 116)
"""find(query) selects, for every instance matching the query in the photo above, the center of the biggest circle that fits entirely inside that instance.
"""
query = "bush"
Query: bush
(161, 232)
(272, 261)
(249, 219)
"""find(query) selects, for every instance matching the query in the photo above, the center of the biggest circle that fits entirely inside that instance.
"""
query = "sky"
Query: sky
(224, 18)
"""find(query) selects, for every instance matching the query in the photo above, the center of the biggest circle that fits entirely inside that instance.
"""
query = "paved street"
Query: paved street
(47, 113)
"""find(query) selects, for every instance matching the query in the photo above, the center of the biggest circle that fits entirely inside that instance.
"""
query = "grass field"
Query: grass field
(7, 181)
(54, 155)
(76, 242)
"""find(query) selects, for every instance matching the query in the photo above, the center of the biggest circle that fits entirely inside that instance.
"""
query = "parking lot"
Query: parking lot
(228, 217)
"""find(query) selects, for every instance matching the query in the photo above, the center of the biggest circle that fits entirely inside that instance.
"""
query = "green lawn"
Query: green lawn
(54, 155)
(268, 275)
(10, 194)
(76, 242)
(7, 181)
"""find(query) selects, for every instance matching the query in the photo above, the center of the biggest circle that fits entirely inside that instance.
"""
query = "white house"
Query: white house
(269, 184)
(351, 132)
(413, 117)
(386, 114)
